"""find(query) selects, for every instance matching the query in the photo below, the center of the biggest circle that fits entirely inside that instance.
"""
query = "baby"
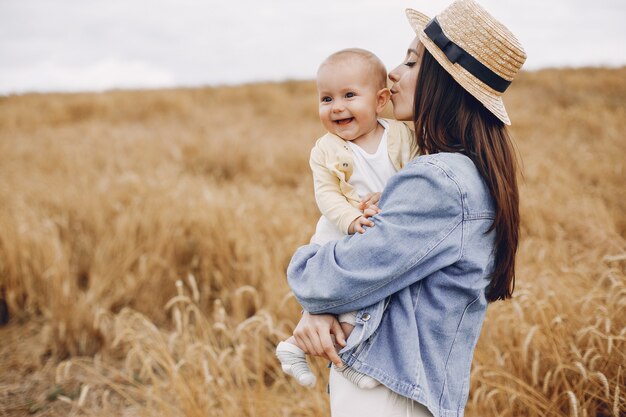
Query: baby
(353, 161)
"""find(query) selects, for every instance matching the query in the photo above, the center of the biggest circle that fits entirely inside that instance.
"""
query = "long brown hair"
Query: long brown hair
(452, 120)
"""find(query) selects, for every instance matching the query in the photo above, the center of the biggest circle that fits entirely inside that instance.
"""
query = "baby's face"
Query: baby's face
(348, 99)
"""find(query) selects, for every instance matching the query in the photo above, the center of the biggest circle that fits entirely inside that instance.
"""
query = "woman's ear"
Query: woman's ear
(382, 98)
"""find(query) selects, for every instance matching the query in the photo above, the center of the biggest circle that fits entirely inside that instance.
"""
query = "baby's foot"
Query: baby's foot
(357, 378)
(294, 363)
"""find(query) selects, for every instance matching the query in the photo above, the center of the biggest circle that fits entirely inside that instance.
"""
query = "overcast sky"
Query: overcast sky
(73, 45)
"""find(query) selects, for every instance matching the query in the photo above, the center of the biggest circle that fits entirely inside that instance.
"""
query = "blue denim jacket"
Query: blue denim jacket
(418, 279)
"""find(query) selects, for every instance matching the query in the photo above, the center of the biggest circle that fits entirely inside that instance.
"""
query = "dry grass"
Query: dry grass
(109, 199)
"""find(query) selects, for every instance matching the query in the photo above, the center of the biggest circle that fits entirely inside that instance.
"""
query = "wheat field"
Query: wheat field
(144, 237)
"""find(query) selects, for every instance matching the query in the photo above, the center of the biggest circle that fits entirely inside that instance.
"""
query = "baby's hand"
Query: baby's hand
(370, 201)
(369, 208)
(358, 223)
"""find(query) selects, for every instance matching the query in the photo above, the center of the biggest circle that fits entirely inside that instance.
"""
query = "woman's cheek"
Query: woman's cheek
(402, 110)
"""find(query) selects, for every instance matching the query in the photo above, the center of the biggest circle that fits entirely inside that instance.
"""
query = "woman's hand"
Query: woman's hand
(313, 334)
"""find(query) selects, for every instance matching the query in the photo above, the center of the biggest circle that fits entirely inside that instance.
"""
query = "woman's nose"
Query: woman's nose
(393, 75)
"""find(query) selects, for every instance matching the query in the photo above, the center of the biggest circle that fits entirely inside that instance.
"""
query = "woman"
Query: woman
(444, 244)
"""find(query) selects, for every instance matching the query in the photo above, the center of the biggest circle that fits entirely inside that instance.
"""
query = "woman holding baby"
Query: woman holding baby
(443, 244)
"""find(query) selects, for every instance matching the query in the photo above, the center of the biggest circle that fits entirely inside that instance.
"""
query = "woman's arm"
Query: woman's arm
(419, 231)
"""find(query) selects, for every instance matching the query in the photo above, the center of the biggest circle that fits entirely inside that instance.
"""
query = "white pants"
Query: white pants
(348, 400)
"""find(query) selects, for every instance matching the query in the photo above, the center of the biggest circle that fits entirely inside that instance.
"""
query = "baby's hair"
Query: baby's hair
(376, 66)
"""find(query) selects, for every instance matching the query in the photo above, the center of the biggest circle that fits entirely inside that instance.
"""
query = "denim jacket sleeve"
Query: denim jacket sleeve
(418, 232)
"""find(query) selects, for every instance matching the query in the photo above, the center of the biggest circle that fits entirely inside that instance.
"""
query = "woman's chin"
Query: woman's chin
(399, 113)
(403, 117)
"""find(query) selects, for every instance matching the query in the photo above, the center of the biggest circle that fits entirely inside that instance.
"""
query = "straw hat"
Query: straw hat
(480, 53)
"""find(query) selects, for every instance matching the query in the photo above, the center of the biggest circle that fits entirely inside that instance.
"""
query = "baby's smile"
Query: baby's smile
(344, 121)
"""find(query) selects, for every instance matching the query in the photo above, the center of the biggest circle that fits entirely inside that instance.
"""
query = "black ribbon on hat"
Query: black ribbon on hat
(458, 55)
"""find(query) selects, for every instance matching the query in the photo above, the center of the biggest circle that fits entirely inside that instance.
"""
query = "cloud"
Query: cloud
(64, 45)
(102, 75)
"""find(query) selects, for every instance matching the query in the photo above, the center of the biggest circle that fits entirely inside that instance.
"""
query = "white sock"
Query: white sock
(357, 378)
(294, 363)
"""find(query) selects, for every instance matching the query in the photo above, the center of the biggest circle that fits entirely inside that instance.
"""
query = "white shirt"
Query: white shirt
(371, 171)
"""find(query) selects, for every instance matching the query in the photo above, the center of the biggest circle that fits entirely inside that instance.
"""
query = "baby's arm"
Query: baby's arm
(331, 202)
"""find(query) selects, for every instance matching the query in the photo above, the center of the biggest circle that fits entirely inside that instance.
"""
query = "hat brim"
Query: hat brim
(417, 20)
(489, 98)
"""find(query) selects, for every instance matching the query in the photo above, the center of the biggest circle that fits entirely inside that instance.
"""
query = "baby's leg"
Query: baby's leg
(347, 322)
(347, 329)
(293, 341)
(293, 362)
